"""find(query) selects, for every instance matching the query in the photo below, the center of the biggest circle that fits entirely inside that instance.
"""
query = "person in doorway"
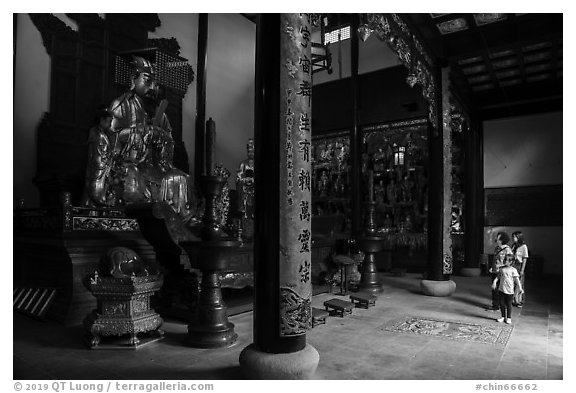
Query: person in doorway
(520, 251)
(501, 252)
(507, 283)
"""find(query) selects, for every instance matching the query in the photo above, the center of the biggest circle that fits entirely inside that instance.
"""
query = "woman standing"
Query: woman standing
(520, 256)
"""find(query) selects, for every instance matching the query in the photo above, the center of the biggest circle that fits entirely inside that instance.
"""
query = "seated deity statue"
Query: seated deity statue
(139, 151)
(245, 182)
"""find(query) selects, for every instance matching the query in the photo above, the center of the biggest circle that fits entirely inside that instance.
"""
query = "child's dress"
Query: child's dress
(500, 255)
(506, 280)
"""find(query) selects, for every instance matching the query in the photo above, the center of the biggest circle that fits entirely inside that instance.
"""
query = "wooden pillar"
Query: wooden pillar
(200, 138)
(439, 201)
(447, 260)
(355, 135)
(473, 203)
(282, 231)
(480, 213)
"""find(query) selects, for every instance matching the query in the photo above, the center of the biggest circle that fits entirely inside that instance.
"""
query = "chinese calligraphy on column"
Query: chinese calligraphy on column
(295, 175)
(446, 134)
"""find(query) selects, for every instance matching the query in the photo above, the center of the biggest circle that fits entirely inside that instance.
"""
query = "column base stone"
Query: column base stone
(256, 364)
(470, 271)
(438, 288)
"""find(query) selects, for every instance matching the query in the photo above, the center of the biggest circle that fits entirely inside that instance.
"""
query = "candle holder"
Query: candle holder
(370, 244)
(210, 328)
(211, 189)
(370, 220)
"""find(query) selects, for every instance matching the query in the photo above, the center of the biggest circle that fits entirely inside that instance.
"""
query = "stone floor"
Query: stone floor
(354, 347)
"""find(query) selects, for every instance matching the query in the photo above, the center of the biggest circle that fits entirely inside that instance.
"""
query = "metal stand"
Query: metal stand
(370, 244)
(211, 328)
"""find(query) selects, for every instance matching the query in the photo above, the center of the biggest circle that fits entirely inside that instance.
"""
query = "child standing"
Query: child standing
(506, 282)
(520, 251)
(501, 253)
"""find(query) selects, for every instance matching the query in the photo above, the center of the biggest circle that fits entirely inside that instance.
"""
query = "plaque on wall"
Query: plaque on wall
(523, 206)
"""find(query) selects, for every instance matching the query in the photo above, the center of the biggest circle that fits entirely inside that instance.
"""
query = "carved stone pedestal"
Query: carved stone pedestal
(438, 288)
(123, 312)
(257, 364)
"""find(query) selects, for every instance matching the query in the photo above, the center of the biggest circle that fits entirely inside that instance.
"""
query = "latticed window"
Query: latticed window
(332, 36)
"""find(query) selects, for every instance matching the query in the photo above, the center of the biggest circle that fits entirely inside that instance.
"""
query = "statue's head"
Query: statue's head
(143, 77)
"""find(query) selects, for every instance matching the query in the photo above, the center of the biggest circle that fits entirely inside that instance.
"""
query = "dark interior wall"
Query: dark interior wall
(521, 153)
(31, 101)
(384, 96)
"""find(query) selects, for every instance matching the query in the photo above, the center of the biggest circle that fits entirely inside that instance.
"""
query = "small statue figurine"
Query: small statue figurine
(324, 184)
(391, 192)
(455, 222)
(97, 187)
(365, 162)
(131, 160)
(327, 153)
(407, 188)
(342, 155)
(245, 182)
(380, 190)
(387, 222)
(406, 224)
(379, 160)
(338, 185)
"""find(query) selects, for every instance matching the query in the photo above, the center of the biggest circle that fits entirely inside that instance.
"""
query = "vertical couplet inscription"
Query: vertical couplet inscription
(295, 175)
(447, 263)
